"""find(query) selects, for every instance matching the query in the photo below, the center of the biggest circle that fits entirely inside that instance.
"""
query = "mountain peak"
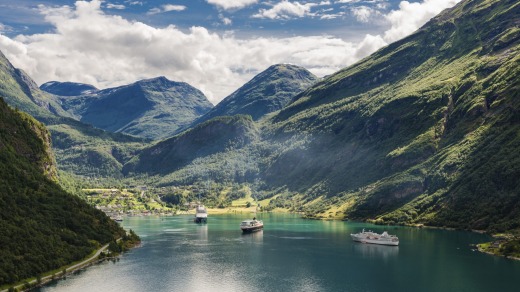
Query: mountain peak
(67, 88)
(267, 92)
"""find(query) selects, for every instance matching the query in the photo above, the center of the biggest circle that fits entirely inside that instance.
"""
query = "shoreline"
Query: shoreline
(59, 272)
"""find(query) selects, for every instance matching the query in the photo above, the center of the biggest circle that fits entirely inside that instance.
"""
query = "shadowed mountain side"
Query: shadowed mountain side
(213, 136)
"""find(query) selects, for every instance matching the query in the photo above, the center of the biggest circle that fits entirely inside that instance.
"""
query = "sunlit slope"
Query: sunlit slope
(425, 130)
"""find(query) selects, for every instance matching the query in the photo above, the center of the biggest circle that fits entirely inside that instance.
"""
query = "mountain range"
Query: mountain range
(80, 148)
(153, 109)
(424, 131)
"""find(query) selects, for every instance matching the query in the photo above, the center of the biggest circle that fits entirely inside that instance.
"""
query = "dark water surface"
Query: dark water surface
(292, 254)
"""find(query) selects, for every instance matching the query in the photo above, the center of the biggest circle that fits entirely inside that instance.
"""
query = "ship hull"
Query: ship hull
(200, 220)
(251, 229)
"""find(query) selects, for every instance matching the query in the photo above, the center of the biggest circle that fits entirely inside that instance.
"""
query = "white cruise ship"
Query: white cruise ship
(375, 238)
(201, 215)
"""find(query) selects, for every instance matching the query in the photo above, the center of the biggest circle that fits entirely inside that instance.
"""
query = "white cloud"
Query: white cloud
(166, 8)
(225, 20)
(412, 16)
(232, 4)
(362, 13)
(171, 7)
(90, 46)
(134, 2)
(347, 1)
(115, 6)
(5, 28)
(285, 10)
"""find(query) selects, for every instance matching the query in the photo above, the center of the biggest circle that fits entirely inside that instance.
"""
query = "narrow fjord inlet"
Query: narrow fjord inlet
(282, 145)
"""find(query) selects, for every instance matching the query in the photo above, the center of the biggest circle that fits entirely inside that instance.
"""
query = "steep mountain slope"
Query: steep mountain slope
(154, 108)
(79, 148)
(425, 130)
(21, 91)
(213, 136)
(267, 92)
(67, 88)
(43, 227)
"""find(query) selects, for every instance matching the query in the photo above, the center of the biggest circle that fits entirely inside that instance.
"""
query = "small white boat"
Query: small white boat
(375, 238)
(251, 225)
(201, 215)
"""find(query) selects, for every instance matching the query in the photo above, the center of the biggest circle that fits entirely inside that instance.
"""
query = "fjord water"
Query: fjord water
(293, 254)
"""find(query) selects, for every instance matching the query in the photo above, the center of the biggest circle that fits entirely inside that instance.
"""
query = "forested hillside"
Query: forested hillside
(425, 130)
(42, 227)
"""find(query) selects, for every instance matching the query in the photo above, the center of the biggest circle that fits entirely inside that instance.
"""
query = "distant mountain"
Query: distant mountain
(267, 92)
(154, 108)
(43, 227)
(67, 88)
(210, 137)
(80, 149)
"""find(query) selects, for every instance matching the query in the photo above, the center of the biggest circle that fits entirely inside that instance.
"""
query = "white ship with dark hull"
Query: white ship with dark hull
(201, 214)
(375, 238)
(251, 225)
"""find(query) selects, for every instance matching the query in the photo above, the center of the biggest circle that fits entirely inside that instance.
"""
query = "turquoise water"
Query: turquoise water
(292, 254)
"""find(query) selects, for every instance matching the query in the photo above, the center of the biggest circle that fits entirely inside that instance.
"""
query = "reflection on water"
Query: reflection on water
(253, 237)
(375, 251)
(202, 232)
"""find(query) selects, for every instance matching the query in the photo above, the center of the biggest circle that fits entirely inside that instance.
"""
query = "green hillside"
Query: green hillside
(214, 136)
(42, 227)
(425, 130)
(267, 92)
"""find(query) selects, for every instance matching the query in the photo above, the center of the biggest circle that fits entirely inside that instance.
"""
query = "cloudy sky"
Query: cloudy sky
(215, 45)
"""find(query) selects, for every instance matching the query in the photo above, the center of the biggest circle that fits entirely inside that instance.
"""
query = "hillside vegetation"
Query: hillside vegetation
(425, 130)
(214, 136)
(42, 227)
